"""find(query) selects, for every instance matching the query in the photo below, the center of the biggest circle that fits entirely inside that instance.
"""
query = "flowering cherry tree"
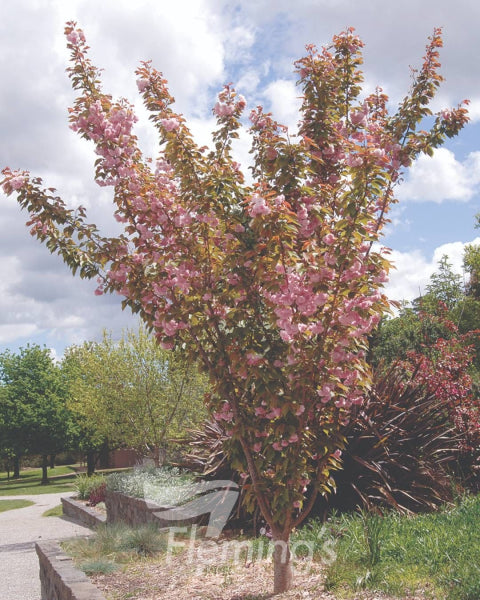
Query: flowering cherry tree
(273, 285)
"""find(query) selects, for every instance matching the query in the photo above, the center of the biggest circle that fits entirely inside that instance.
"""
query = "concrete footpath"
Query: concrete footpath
(19, 530)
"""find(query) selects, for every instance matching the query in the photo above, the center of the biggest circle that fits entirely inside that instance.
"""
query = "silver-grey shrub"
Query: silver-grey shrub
(166, 486)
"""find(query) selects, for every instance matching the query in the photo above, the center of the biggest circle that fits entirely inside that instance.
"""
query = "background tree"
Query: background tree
(134, 393)
(6, 451)
(33, 405)
(274, 286)
(445, 286)
(447, 305)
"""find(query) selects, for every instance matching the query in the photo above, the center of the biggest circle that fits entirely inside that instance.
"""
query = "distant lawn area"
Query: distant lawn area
(61, 480)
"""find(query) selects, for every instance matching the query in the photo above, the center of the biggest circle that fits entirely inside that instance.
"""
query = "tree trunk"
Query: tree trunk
(44, 469)
(90, 463)
(158, 456)
(52, 461)
(282, 566)
(16, 467)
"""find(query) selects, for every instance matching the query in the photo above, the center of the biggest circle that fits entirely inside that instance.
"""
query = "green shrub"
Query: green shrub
(99, 566)
(84, 484)
(109, 538)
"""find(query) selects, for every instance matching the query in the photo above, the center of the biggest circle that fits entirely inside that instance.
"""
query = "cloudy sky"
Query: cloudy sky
(200, 45)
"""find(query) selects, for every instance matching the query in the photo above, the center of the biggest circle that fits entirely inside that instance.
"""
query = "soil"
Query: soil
(207, 573)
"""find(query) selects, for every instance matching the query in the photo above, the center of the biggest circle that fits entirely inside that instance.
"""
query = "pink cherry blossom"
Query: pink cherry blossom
(329, 239)
(258, 206)
(142, 84)
(223, 110)
(354, 160)
(358, 118)
(170, 124)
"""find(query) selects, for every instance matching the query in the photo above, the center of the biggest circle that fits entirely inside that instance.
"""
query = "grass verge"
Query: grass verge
(56, 511)
(437, 554)
(13, 504)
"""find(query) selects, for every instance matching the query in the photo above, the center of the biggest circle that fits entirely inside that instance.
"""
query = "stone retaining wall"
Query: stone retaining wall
(130, 510)
(81, 513)
(137, 511)
(59, 579)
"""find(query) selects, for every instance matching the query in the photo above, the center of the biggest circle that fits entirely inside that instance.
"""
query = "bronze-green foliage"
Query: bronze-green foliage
(134, 392)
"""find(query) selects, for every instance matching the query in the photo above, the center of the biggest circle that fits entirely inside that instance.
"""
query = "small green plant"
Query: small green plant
(145, 540)
(372, 527)
(84, 484)
(98, 567)
(113, 545)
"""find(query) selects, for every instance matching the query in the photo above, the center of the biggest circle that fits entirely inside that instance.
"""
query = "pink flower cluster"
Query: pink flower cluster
(14, 180)
(258, 206)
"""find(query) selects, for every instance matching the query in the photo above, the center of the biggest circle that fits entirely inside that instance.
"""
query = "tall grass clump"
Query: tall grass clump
(145, 540)
(437, 553)
(115, 544)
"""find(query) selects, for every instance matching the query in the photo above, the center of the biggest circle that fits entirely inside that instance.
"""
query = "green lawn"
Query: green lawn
(61, 480)
(12, 504)
(56, 511)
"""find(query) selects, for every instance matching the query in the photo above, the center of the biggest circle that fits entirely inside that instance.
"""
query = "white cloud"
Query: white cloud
(9, 332)
(248, 82)
(442, 177)
(285, 102)
(412, 271)
(474, 110)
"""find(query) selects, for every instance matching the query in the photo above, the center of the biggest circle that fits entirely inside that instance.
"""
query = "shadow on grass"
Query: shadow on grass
(60, 479)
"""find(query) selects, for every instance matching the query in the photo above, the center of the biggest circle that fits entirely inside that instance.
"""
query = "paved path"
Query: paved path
(19, 530)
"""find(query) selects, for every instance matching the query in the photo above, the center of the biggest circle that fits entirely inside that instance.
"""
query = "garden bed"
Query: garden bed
(80, 512)
(205, 577)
